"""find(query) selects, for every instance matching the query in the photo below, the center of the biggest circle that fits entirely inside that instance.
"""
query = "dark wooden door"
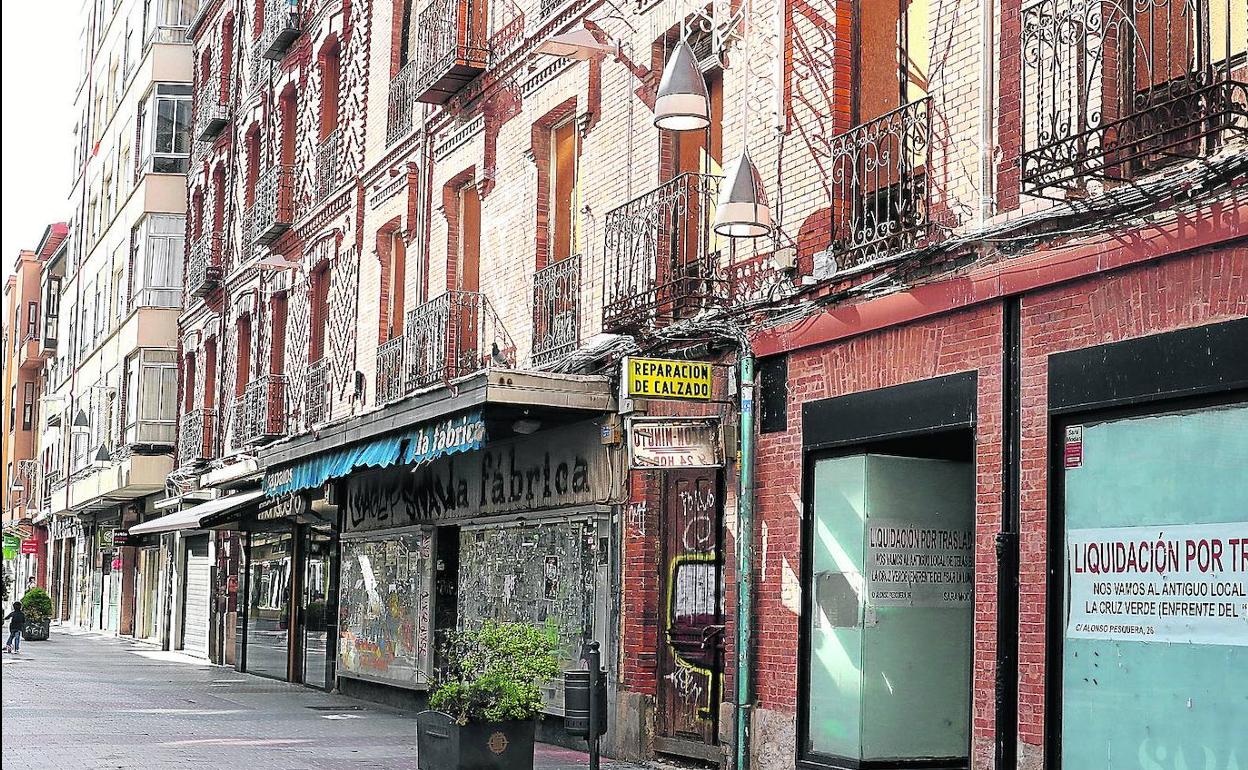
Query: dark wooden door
(691, 629)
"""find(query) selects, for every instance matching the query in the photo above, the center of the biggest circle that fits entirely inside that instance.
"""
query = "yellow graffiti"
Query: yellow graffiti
(683, 678)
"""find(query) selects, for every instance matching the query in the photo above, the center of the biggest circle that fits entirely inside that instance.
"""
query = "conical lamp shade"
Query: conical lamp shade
(743, 211)
(683, 103)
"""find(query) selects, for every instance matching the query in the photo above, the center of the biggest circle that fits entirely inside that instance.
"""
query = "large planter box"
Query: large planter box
(37, 631)
(443, 745)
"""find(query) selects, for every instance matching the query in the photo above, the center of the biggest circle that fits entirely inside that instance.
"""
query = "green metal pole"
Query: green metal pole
(745, 565)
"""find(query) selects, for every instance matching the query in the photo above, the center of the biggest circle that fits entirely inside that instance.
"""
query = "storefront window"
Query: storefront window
(384, 607)
(268, 603)
(1156, 575)
(890, 619)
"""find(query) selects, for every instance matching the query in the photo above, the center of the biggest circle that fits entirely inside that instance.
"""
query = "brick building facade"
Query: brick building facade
(407, 217)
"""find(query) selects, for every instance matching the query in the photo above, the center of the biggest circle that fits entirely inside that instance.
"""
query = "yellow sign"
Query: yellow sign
(663, 378)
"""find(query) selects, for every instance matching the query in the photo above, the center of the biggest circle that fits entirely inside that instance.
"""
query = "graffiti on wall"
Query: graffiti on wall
(544, 575)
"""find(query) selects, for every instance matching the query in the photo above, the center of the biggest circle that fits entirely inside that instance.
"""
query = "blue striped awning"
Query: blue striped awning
(416, 446)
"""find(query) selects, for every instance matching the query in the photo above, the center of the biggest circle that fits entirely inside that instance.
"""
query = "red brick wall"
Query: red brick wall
(955, 342)
(1187, 290)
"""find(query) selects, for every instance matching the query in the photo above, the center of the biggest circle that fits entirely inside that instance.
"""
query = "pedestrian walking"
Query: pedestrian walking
(18, 622)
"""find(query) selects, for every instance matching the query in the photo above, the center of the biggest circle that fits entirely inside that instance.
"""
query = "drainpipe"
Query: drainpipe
(987, 97)
(1005, 715)
(745, 565)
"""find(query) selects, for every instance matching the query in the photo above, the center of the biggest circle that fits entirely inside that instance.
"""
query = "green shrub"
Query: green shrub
(492, 674)
(37, 605)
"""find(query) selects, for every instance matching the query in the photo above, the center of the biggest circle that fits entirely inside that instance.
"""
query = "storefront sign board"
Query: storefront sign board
(1185, 583)
(660, 442)
(30, 545)
(552, 469)
(919, 565)
(663, 378)
(120, 538)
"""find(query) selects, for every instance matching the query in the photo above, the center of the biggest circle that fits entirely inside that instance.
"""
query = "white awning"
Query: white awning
(190, 518)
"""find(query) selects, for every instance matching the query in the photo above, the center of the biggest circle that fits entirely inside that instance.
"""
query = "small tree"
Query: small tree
(492, 674)
(37, 605)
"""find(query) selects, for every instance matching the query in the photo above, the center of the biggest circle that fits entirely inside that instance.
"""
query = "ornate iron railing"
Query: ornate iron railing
(662, 260)
(556, 310)
(329, 165)
(454, 335)
(274, 203)
(450, 50)
(281, 27)
(878, 174)
(1115, 88)
(211, 111)
(401, 109)
(255, 60)
(203, 265)
(390, 373)
(247, 237)
(316, 397)
(547, 6)
(196, 435)
(260, 414)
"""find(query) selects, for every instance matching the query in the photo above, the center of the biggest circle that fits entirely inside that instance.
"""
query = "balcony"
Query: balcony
(662, 259)
(329, 166)
(556, 310)
(1114, 89)
(203, 265)
(401, 110)
(30, 354)
(451, 48)
(211, 112)
(317, 395)
(196, 434)
(274, 204)
(390, 377)
(254, 60)
(260, 415)
(281, 27)
(452, 336)
(878, 175)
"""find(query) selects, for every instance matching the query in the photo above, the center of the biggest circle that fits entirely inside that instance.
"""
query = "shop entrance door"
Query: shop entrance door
(196, 592)
(317, 608)
(690, 654)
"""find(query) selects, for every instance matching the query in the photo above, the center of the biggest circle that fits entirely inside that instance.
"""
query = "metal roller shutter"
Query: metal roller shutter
(197, 590)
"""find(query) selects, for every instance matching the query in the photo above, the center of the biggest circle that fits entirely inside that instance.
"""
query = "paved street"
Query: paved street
(87, 701)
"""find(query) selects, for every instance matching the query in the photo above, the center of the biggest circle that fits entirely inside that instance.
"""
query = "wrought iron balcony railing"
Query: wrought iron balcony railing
(878, 173)
(556, 310)
(401, 110)
(255, 59)
(316, 398)
(260, 414)
(247, 238)
(662, 258)
(196, 435)
(329, 165)
(1116, 88)
(281, 27)
(203, 266)
(451, 50)
(390, 374)
(452, 336)
(274, 203)
(211, 111)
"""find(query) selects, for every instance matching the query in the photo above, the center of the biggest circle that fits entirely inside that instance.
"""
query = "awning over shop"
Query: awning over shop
(462, 433)
(190, 518)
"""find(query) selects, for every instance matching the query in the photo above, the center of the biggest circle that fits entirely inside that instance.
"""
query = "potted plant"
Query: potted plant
(486, 699)
(38, 608)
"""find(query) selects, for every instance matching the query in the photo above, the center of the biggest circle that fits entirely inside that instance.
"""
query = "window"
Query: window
(32, 319)
(119, 294)
(170, 137)
(80, 439)
(242, 366)
(189, 382)
(151, 387)
(1150, 623)
(277, 333)
(393, 252)
(52, 308)
(319, 300)
(28, 407)
(86, 327)
(167, 13)
(13, 409)
(210, 373)
(158, 251)
(330, 73)
(891, 56)
(563, 191)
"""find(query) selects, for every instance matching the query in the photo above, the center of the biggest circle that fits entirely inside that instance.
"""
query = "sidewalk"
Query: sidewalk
(84, 700)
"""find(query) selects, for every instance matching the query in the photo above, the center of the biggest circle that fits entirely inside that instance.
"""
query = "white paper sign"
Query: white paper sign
(1185, 583)
(916, 565)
